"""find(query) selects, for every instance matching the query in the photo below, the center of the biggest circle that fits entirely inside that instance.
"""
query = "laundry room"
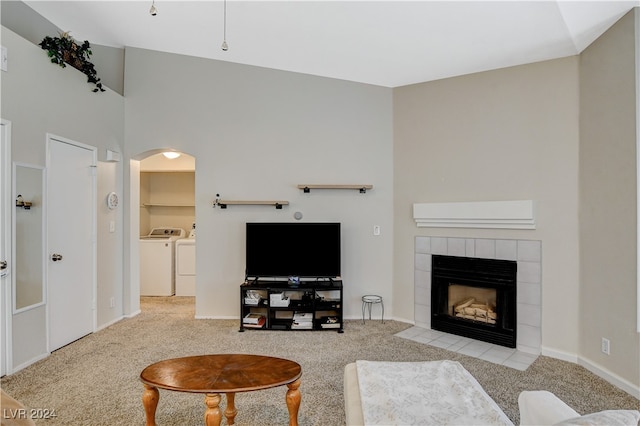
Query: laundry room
(167, 225)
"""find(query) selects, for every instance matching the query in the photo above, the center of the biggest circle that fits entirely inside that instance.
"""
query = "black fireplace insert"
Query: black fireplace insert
(475, 298)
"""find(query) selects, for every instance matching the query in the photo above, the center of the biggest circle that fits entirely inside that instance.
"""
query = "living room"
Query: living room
(559, 132)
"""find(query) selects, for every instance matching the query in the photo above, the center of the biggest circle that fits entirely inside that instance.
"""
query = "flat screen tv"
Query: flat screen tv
(293, 249)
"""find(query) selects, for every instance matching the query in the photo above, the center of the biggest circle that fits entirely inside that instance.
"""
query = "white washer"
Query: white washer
(157, 261)
(186, 266)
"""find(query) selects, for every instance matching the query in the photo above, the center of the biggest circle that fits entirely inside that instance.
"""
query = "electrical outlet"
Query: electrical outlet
(112, 302)
(606, 346)
(376, 229)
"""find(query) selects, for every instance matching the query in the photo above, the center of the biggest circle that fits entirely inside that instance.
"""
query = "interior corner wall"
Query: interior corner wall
(508, 134)
(257, 133)
(39, 97)
(29, 24)
(608, 194)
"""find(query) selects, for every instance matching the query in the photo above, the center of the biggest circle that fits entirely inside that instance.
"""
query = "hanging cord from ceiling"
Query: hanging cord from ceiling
(225, 46)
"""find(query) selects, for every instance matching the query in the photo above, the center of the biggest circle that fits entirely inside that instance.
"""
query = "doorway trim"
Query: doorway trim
(6, 357)
(132, 270)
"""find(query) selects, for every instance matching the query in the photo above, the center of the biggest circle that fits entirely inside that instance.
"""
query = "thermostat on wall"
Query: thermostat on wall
(112, 200)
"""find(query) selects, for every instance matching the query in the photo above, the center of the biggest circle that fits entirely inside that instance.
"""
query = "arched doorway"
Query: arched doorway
(164, 190)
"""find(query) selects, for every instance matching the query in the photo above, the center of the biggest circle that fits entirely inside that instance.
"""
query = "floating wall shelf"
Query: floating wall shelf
(224, 203)
(307, 188)
(167, 205)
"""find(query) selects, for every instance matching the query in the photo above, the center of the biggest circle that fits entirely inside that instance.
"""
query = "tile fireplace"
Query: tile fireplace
(525, 256)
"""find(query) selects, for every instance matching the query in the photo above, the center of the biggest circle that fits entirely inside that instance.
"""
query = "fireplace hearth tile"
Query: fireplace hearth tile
(529, 272)
(528, 336)
(410, 333)
(423, 295)
(496, 358)
(439, 344)
(423, 279)
(529, 250)
(423, 262)
(486, 249)
(423, 245)
(473, 351)
(522, 366)
(507, 249)
(497, 355)
(529, 314)
(470, 244)
(456, 247)
(522, 357)
(528, 293)
(512, 358)
(438, 245)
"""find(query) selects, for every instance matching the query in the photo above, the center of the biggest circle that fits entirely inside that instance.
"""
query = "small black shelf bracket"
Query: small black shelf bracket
(306, 190)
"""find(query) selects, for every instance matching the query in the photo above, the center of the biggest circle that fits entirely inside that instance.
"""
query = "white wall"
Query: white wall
(39, 97)
(256, 134)
(608, 268)
(509, 134)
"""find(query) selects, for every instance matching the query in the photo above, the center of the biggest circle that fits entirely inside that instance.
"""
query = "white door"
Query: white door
(5, 244)
(71, 267)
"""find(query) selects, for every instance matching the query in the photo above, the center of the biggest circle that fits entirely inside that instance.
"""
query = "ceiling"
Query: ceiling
(385, 43)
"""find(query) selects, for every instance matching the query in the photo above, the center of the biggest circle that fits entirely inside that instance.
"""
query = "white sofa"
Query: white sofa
(536, 407)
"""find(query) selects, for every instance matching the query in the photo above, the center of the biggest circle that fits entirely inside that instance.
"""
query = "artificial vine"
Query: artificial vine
(65, 50)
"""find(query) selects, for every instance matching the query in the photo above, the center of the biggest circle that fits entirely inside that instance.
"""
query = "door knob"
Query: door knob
(3, 265)
(55, 257)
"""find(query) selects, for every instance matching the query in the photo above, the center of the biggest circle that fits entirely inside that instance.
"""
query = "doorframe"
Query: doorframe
(132, 297)
(94, 229)
(7, 213)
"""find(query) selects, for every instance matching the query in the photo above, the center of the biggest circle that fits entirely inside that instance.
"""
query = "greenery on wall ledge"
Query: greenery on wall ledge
(65, 50)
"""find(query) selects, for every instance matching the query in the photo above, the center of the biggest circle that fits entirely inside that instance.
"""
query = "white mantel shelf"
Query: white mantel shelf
(479, 214)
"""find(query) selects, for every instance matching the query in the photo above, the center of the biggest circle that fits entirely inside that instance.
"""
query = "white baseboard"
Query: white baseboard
(133, 314)
(28, 363)
(561, 355)
(405, 320)
(614, 379)
(596, 369)
(110, 323)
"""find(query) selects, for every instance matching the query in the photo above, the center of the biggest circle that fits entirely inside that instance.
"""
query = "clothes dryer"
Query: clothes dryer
(157, 254)
(186, 266)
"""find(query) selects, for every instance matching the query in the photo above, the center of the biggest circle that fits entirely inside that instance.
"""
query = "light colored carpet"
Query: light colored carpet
(94, 381)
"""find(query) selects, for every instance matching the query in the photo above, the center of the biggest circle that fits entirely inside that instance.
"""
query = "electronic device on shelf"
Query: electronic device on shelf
(293, 249)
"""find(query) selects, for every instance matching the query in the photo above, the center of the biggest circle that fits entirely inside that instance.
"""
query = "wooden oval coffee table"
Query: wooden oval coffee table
(223, 373)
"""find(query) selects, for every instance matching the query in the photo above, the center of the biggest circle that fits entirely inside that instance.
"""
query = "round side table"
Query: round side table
(368, 301)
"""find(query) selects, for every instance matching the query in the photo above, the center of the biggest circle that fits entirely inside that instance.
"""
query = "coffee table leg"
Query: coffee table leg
(230, 412)
(213, 416)
(150, 399)
(293, 402)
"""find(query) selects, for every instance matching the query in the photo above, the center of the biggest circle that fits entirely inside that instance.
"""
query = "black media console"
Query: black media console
(277, 305)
